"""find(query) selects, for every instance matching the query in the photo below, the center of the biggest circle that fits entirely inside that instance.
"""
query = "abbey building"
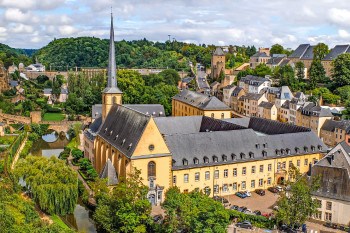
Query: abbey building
(197, 151)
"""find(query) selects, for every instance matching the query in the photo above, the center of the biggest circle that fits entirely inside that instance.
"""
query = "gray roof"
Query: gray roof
(94, 127)
(330, 125)
(300, 51)
(285, 105)
(259, 54)
(214, 84)
(218, 52)
(229, 87)
(253, 80)
(123, 128)
(334, 171)
(2, 124)
(275, 60)
(200, 100)
(284, 62)
(336, 51)
(178, 125)
(13, 83)
(311, 109)
(187, 79)
(96, 111)
(236, 91)
(156, 110)
(47, 91)
(236, 143)
(109, 173)
(284, 93)
(64, 91)
(265, 104)
(251, 96)
(309, 53)
(239, 121)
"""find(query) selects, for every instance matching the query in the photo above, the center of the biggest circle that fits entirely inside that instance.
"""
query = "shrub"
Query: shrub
(77, 154)
(33, 137)
(258, 221)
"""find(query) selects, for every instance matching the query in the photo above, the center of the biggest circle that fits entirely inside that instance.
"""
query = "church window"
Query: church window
(151, 169)
(212, 115)
(222, 116)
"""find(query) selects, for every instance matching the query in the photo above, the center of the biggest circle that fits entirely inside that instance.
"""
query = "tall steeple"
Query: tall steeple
(111, 94)
(112, 67)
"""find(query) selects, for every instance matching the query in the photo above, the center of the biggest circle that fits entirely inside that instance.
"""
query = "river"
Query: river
(52, 144)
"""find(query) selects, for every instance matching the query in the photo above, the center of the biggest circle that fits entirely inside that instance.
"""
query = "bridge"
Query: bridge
(50, 74)
(35, 117)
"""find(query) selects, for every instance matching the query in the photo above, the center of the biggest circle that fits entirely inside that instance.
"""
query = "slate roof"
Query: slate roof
(239, 121)
(309, 53)
(310, 108)
(236, 91)
(91, 132)
(201, 101)
(251, 96)
(275, 60)
(259, 54)
(96, 111)
(229, 87)
(330, 125)
(284, 62)
(123, 128)
(47, 91)
(109, 173)
(218, 52)
(300, 51)
(253, 80)
(236, 143)
(334, 170)
(336, 51)
(187, 79)
(64, 91)
(266, 105)
(178, 125)
(214, 84)
(156, 110)
(13, 83)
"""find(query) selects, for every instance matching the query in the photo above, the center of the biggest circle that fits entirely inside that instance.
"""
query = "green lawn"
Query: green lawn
(53, 117)
(59, 222)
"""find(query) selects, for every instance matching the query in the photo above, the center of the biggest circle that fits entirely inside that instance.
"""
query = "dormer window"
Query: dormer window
(257, 146)
(312, 148)
(306, 149)
(319, 147)
(251, 155)
(264, 153)
(196, 161)
(206, 160)
(123, 142)
(282, 151)
(288, 151)
(116, 137)
(265, 145)
(215, 159)
(277, 152)
(242, 156)
(105, 130)
(296, 149)
(185, 162)
(110, 133)
(233, 157)
(130, 145)
(224, 158)
(173, 162)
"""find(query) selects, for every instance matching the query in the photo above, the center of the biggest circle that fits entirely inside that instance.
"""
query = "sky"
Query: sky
(34, 23)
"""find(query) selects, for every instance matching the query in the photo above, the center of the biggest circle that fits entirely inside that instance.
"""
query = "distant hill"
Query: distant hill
(93, 52)
(10, 55)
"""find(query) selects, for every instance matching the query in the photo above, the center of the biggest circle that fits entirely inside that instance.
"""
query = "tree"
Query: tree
(170, 76)
(344, 93)
(193, 212)
(261, 70)
(317, 73)
(53, 185)
(276, 49)
(300, 70)
(341, 70)
(296, 205)
(326, 94)
(320, 51)
(125, 208)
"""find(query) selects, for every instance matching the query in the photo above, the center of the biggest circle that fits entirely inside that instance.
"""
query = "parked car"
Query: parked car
(242, 209)
(279, 188)
(241, 194)
(287, 229)
(248, 193)
(273, 190)
(247, 211)
(245, 224)
(224, 200)
(257, 212)
(260, 192)
(267, 215)
(234, 207)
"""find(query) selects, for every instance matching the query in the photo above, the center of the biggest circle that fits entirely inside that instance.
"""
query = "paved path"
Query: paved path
(18, 152)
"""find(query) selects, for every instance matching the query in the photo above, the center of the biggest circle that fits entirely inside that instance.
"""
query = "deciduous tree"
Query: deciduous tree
(341, 70)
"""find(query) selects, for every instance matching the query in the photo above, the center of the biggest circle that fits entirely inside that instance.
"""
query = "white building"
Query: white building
(254, 84)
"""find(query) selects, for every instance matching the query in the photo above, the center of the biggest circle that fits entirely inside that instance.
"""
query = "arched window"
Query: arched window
(151, 169)
(114, 100)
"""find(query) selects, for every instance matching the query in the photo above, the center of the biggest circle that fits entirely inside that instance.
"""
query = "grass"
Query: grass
(53, 117)
(7, 140)
(73, 143)
(59, 222)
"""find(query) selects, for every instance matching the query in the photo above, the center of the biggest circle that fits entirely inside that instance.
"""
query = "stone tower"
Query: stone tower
(111, 94)
(217, 63)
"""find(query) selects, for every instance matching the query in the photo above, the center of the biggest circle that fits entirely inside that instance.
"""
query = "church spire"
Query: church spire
(112, 73)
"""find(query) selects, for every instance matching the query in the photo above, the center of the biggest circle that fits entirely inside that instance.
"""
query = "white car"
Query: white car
(279, 188)
(248, 193)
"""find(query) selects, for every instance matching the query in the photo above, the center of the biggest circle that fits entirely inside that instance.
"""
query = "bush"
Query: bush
(52, 109)
(258, 221)
(64, 154)
(33, 137)
(77, 154)
(26, 149)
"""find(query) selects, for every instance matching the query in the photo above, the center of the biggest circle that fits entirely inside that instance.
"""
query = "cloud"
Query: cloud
(67, 30)
(343, 34)
(32, 4)
(340, 16)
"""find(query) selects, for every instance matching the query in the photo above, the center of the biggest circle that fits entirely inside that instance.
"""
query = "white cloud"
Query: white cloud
(22, 28)
(67, 30)
(340, 16)
(343, 34)
(32, 4)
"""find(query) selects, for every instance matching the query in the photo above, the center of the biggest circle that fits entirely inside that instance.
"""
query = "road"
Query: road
(202, 82)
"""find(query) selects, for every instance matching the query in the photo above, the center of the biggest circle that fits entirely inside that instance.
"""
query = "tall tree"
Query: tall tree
(296, 205)
(193, 212)
(341, 70)
(276, 49)
(53, 184)
(125, 208)
(300, 70)
(262, 70)
(320, 51)
(317, 73)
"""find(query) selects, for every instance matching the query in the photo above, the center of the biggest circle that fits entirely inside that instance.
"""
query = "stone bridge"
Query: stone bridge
(49, 74)
(58, 126)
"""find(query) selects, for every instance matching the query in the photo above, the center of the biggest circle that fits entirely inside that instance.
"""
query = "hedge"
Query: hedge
(258, 221)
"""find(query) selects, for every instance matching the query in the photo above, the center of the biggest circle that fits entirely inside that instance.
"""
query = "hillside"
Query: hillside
(10, 55)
